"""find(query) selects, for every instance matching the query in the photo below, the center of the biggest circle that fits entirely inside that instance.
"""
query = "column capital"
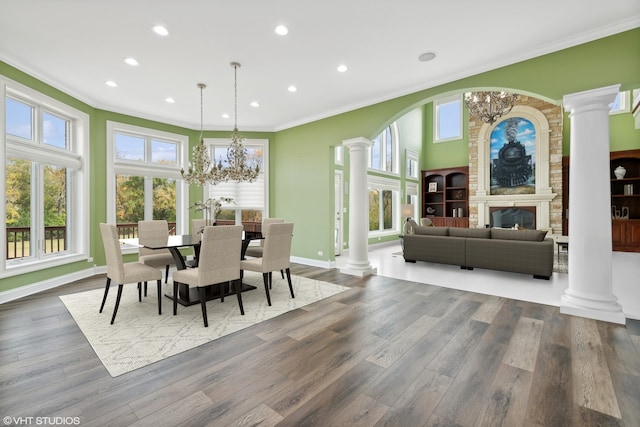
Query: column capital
(589, 99)
(357, 142)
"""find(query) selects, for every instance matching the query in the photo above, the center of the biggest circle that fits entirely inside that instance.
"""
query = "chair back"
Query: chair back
(277, 247)
(220, 254)
(155, 232)
(113, 252)
(265, 227)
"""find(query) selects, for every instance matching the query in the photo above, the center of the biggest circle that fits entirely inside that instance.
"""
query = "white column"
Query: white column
(590, 291)
(358, 263)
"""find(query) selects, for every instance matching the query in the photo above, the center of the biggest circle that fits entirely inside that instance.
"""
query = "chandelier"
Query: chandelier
(236, 166)
(489, 106)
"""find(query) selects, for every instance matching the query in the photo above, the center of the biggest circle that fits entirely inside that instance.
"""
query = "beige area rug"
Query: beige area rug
(140, 336)
(560, 264)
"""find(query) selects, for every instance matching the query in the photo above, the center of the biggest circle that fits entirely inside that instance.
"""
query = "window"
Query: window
(144, 177)
(412, 165)
(383, 153)
(338, 153)
(384, 206)
(46, 181)
(621, 104)
(250, 199)
(412, 198)
(447, 118)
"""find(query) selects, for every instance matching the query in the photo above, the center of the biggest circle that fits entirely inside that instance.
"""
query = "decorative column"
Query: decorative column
(358, 263)
(590, 291)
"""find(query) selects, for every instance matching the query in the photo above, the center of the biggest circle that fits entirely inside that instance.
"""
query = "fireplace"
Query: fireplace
(508, 217)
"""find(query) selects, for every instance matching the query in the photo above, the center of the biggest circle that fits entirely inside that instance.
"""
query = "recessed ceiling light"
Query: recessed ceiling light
(255, 104)
(427, 56)
(292, 88)
(160, 30)
(131, 61)
(225, 116)
(342, 68)
(170, 100)
(282, 30)
(111, 83)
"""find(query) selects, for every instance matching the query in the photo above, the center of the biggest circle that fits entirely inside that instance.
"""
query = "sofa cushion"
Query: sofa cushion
(431, 231)
(524, 235)
(474, 233)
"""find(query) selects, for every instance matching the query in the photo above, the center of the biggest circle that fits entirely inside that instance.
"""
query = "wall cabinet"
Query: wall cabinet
(445, 196)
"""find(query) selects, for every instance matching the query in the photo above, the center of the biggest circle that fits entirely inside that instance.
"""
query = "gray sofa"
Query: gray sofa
(518, 251)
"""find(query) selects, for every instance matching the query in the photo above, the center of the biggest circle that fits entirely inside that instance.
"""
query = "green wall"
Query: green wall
(301, 158)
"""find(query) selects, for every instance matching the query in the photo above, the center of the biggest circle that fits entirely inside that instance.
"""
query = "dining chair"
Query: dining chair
(256, 251)
(123, 273)
(219, 265)
(155, 233)
(276, 256)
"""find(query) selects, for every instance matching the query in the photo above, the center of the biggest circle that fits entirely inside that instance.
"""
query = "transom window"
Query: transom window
(447, 118)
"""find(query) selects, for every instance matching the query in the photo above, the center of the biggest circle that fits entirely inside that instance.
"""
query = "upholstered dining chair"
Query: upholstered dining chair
(219, 264)
(151, 233)
(256, 251)
(276, 256)
(122, 273)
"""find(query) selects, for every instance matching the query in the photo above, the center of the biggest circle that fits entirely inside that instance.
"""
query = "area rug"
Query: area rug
(140, 336)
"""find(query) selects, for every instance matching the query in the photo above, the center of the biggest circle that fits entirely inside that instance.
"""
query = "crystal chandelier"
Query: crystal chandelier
(236, 167)
(489, 106)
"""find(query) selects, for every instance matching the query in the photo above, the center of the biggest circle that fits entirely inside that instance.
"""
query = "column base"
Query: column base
(607, 311)
(361, 270)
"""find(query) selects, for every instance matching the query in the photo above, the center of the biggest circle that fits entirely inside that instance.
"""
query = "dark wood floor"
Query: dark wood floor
(386, 352)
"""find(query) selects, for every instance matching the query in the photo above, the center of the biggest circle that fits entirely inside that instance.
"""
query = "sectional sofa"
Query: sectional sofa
(518, 251)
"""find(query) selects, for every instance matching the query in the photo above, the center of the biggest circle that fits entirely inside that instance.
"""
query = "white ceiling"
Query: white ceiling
(76, 45)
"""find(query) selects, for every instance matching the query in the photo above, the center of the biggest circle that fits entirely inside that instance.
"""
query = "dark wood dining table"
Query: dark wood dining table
(186, 295)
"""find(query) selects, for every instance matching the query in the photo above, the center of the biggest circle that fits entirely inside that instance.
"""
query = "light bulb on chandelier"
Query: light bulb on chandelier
(489, 106)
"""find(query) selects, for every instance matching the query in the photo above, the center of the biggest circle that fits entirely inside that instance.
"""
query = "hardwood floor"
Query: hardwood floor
(387, 352)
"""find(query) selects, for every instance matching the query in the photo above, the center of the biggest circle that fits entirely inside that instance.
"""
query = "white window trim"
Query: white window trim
(77, 158)
(436, 118)
(127, 167)
(395, 136)
(625, 104)
(383, 183)
(412, 156)
(264, 169)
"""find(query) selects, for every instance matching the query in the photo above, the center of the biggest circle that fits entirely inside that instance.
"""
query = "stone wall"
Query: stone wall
(553, 114)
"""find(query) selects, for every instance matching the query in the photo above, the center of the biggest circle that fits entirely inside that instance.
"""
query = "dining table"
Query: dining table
(189, 296)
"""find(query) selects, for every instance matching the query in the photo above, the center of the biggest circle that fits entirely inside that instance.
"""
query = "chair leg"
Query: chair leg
(140, 291)
(106, 291)
(265, 279)
(175, 297)
(282, 274)
(145, 289)
(159, 297)
(289, 280)
(221, 286)
(115, 310)
(166, 274)
(238, 285)
(203, 304)
(271, 280)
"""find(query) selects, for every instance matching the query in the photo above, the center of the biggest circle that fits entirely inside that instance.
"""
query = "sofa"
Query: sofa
(518, 251)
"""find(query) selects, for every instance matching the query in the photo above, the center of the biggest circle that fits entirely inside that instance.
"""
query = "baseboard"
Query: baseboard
(24, 291)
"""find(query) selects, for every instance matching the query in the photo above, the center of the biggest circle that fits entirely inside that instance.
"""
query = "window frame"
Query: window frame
(436, 118)
(382, 183)
(412, 157)
(75, 158)
(395, 147)
(624, 105)
(207, 189)
(148, 170)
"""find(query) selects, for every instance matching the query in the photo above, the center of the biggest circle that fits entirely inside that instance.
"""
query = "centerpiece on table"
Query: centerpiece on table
(211, 208)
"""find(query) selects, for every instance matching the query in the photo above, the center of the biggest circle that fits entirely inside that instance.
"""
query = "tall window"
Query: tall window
(383, 153)
(447, 118)
(145, 171)
(45, 180)
(384, 205)
(250, 199)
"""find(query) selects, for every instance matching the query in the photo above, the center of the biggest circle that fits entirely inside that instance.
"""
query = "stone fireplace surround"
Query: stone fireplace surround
(547, 199)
